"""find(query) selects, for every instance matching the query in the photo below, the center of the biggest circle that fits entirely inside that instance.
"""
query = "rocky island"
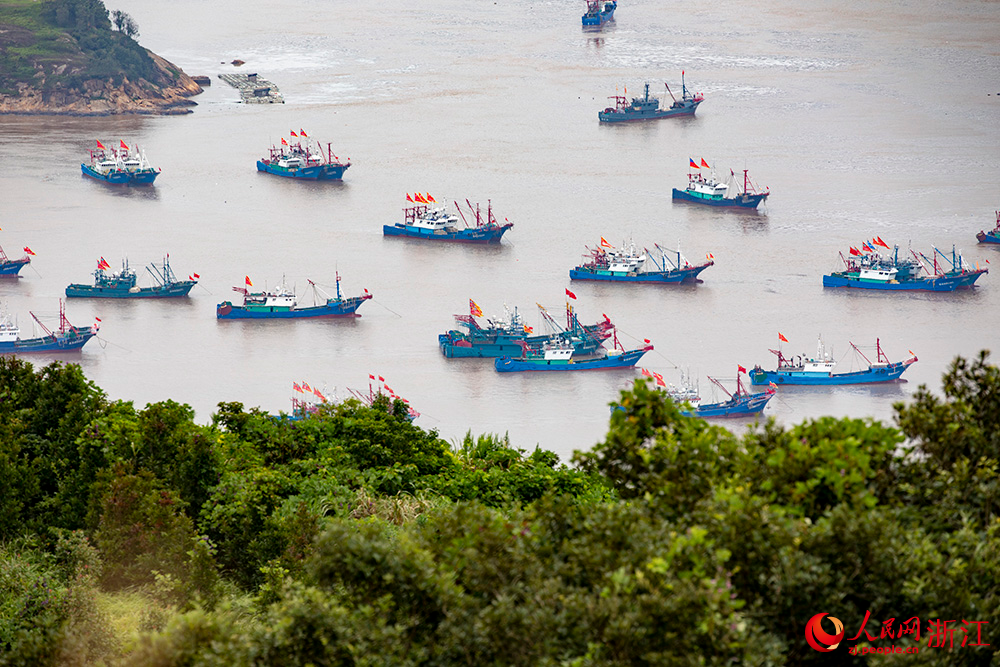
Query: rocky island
(72, 57)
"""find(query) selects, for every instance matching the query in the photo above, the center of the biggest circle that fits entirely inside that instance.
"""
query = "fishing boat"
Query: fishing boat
(992, 236)
(420, 221)
(558, 356)
(500, 338)
(804, 370)
(67, 338)
(626, 264)
(381, 389)
(301, 160)
(281, 303)
(599, 13)
(120, 166)
(306, 402)
(648, 108)
(741, 403)
(710, 191)
(11, 267)
(869, 269)
(122, 285)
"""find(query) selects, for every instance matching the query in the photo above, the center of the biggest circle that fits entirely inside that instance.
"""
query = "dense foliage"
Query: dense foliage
(351, 536)
(62, 44)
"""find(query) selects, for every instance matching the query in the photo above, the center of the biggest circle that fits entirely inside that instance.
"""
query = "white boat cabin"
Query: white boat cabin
(9, 332)
(279, 298)
(708, 187)
(878, 274)
(436, 219)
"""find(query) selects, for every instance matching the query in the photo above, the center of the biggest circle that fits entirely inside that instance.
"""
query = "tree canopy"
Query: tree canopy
(354, 537)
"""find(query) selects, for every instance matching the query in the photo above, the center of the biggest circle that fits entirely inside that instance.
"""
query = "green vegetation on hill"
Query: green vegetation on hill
(61, 44)
(352, 537)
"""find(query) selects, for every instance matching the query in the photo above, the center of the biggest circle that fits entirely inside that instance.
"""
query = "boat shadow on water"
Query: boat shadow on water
(147, 192)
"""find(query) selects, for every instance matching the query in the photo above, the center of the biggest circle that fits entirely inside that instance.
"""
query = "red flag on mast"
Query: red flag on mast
(704, 164)
(693, 164)
(570, 294)
(28, 250)
(408, 198)
(303, 133)
(292, 132)
(100, 145)
(249, 283)
(123, 144)
(605, 244)
(740, 369)
(782, 338)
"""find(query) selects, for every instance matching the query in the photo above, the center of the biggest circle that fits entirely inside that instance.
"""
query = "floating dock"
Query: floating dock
(253, 89)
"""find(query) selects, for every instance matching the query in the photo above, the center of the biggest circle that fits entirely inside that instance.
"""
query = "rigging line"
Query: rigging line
(35, 270)
(203, 287)
(387, 308)
(655, 351)
(108, 342)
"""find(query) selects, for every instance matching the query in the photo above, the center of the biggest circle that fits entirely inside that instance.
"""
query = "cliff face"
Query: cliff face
(101, 97)
(66, 57)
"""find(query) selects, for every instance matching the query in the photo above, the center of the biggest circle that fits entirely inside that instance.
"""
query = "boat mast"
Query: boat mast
(671, 93)
(723, 387)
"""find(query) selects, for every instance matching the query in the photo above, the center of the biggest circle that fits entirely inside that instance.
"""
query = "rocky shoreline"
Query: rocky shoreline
(102, 98)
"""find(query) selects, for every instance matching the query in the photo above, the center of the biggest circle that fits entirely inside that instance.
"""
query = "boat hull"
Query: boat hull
(740, 406)
(68, 342)
(624, 360)
(342, 308)
(12, 267)
(652, 277)
(482, 235)
(888, 373)
(145, 177)
(462, 346)
(743, 201)
(322, 172)
(180, 288)
(597, 20)
(945, 283)
(687, 109)
(115, 178)
(988, 237)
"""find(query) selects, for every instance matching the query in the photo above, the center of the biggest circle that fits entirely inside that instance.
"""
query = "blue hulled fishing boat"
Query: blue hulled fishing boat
(300, 160)
(281, 303)
(11, 267)
(122, 285)
(818, 370)
(120, 166)
(648, 108)
(558, 356)
(710, 191)
(741, 403)
(626, 264)
(506, 338)
(992, 236)
(599, 13)
(868, 269)
(420, 221)
(67, 338)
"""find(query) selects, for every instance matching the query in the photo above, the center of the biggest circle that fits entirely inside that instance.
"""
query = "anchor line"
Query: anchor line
(389, 309)
(654, 349)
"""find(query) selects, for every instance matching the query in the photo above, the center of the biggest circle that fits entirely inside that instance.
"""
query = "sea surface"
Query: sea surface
(864, 119)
